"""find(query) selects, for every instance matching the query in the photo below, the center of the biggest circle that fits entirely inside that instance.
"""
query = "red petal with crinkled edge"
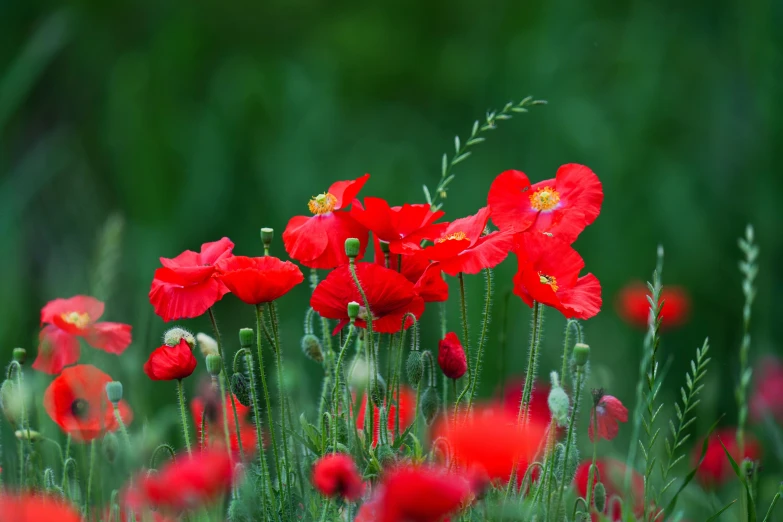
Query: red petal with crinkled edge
(210, 254)
(168, 363)
(580, 188)
(109, 337)
(56, 350)
(257, 280)
(172, 300)
(509, 201)
(32, 506)
(488, 252)
(583, 301)
(426, 277)
(54, 311)
(392, 224)
(412, 243)
(346, 191)
(319, 241)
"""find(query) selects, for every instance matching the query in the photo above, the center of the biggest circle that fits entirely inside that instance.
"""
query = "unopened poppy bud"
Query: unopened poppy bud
(358, 372)
(385, 247)
(559, 405)
(415, 368)
(385, 455)
(207, 345)
(20, 355)
(114, 391)
(173, 336)
(600, 497)
(240, 388)
(31, 435)
(352, 246)
(451, 356)
(214, 365)
(110, 447)
(11, 401)
(267, 234)
(429, 405)
(311, 347)
(246, 337)
(581, 354)
(378, 393)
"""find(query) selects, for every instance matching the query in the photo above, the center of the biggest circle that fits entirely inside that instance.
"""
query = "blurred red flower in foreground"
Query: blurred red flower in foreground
(168, 363)
(539, 407)
(563, 206)
(716, 468)
(29, 507)
(612, 475)
(548, 272)
(427, 280)
(451, 356)
(209, 405)
(767, 398)
(66, 321)
(335, 475)
(395, 225)
(633, 307)
(186, 482)
(76, 401)
(318, 241)
(609, 412)
(407, 406)
(257, 280)
(186, 286)
(390, 295)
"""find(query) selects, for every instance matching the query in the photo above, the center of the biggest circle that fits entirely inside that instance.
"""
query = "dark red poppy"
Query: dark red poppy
(427, 279)
(407, 406)
(609, 411)
(421, 494)
(634, 308)
(548, 272)
(335, 475)
(186, 286)
(451, 356)
(612, 474)
(257, 280)
(186, 483)
(395, 225)
(563, 206)
(66, 321)
(389, 294)
(76, 401)
(768, 391)
(169, 363)
(209, 404)
(318, 241)
(463, 246)
(716, 469)
(32, 507)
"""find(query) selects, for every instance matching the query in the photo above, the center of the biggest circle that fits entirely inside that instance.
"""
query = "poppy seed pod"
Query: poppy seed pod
(267, 234)
(415, 368)
(378, 392)
(214, 365)
(353, 310)
(20, 355)
(352, 247)
(241, 388)
(430, 405)
(114, 391)
(600, 497)
(173, 336)
(581, 354)
(311, 347)
(246, 337)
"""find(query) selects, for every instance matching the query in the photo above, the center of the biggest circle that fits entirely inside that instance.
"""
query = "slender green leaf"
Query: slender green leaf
(743, 479)
(719, 513)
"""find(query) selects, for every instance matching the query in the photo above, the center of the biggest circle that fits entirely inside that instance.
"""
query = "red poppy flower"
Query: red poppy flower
(634, 308)
(395, 225)
(335, 475)
(609, 412)
(462, 247)
(32, 507)
(76, 401)
(186, 286)
(187, 483)
(168, 363)
(421, 494)
(612, 474)
(389, 294)
(548, 272)
(425, 276)
(490, 439)
(539, 406)
(716, 469)
(214, 436)
(318, 241)
(407, 406)
(68, 319)
(370, 511)
(768, 391)
(451, 356)
(257, 280)
(563, 206)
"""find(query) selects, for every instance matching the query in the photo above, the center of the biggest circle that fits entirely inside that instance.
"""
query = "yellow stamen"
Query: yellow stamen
(79, 320)
(322, 203)
(546, 198)
(548, 280)
(459, 236)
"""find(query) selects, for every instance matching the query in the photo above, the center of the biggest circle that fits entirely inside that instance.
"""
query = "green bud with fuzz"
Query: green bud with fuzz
(110, 447)
(353, 310)
(246, 337)
(20, 355)
(114, 391)
(581, 354)
(415, 368)
(385, 455)
(600, 497)
(214, 364)
(559, 405)
(173, 336)
(207, 345)
(378, 392)
(11, 402)
(311, 347)
(31, 435)
(430, 405)
(241, 388)
(352, 247)
(267, 234)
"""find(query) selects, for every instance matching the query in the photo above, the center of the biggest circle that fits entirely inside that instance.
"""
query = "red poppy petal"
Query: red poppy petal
(173, 301)
(81, 304)
(304, 237)
(412, 243)
(392, 322)
(109, 337)
(487, 252)
(431, 286)
(375, 215)
(446, 249)
(583, 301)
(614, 408)
(472, 226)
(580, 187)
(185, 259)
(213, 252)
(56, 350)
(509, 201)
(346, 191)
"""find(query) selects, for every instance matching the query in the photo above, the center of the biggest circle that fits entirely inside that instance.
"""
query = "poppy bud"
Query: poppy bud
(378, 391)
(266, 236)
(415, 368)
(429, 405)
(110, 447)
(451, 356)
(246, 337)
(11, 402)
(352, 246)
(353, 310)
(358, 372)
(173, 336)
(28, 434)
(600, 497)
(385, 247)
(581, 354)
(311, 347)
(20, 355)
(207, 345)
(240, 388)
(559, 405)
(114, 391)
(385, 455)
(214, 365)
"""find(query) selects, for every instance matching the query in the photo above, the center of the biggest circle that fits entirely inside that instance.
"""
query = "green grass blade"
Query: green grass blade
(744, 481)
(719, 513)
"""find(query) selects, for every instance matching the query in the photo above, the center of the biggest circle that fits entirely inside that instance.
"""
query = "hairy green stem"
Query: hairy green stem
(183, 416)
(265, 389)
(532, 362)
(571, 430)
(89, 476)
(483, 338)
(370, 349)
(591, 474)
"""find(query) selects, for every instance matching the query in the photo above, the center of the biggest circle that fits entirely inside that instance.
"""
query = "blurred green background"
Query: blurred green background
(133, 130)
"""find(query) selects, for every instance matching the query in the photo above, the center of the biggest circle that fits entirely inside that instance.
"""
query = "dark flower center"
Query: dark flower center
(80, 409)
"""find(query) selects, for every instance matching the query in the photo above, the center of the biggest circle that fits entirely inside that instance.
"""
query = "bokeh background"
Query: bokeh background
(133, 130)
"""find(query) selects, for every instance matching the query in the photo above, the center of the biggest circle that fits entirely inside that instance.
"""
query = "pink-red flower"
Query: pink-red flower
(186, 286)
(395, 225)
(612, 473)
(634, 308)
(66, 321)
(335, 475)
(563, 206)
(548, 272)
(389, 294)
(257, 280)
(209, 405)
(767, 398)
(169, 363)
(451, 356)
(427, 279)
(32, 507)
(607, 413)
(406, 405)
(318, 241)
(716, 469)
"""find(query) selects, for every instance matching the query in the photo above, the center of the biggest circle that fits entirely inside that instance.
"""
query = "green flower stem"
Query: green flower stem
(338, 370)
(591, 474)
(483, 338)
(370, 350)
(182, 415)
(268, 402)
(281, 393)
(224, 409)
(532, 362)
(123, 429)
(571, 430)
(464, 317)
(89, 476)
(326, 332)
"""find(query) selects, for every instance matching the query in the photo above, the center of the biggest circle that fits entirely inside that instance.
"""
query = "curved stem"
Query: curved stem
(123, 428)
(183, 416)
